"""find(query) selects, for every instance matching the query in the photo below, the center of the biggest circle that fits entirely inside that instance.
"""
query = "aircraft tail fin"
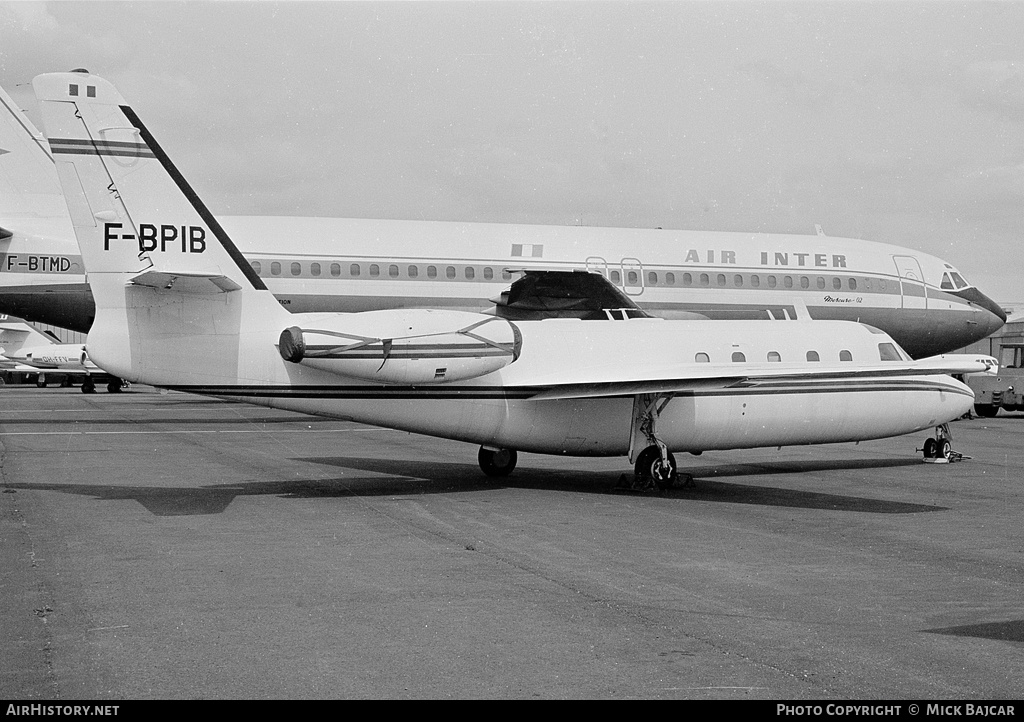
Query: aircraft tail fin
(162, 270)
(28, 182)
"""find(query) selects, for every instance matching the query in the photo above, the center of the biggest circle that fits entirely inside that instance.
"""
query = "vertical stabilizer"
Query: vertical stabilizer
(162, 270)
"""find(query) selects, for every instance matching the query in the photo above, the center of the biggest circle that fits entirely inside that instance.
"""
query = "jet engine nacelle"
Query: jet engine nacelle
(413, 346)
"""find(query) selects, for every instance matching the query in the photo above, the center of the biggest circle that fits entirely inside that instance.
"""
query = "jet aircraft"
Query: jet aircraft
(192, 314)
(26, 349)
(330, 264)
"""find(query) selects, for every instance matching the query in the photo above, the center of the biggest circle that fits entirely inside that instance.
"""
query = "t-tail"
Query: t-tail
(162, 270)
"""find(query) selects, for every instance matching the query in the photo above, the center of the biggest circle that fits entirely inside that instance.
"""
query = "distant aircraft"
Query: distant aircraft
(329, 264)
(192, 314)
(26, 349)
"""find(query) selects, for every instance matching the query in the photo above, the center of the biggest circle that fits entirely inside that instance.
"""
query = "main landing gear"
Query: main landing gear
(497, 462)
(939, 449)
(654, 466)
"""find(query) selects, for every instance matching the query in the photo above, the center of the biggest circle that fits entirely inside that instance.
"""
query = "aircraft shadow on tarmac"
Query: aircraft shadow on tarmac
(1011, 631)
(397, 477)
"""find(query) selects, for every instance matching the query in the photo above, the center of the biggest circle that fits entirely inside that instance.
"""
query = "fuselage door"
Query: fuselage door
(596, 264)
(632, 276)
(912, 287)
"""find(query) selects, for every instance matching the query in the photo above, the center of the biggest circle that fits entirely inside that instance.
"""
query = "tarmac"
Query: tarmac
(165, 546)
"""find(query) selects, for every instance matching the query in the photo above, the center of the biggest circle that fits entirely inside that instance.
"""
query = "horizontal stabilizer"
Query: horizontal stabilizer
(186, 282)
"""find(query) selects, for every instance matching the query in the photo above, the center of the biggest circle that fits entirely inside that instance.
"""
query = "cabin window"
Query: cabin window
(296, 269)
(615, 277)
(670, 279)
(488, 273)
(632, 279)
(414, 271)
(852, 283)
(772, 282)
(275, 268)
(813, 356)
(506, 275)
(336, 269)
(449, 272)
(721, 279)
(470, 272)
(374, 270)
(314, 268)
(888, 352)
(257, 267)
(702, 358)
(393, 270)
(738, 357)
(755, 281)
(837, 283)
(431, 271)
(774, 357)
(737, 280)
(687, 279)
(354, 270)
(805, 282)
(787, 281)
(845, 355)
(821, 282)
(652, 278)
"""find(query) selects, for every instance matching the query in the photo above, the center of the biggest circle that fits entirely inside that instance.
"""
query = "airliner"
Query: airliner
(193, 315)
(26, 349)
(331, 264)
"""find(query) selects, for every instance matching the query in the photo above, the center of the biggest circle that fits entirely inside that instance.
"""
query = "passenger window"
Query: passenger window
(670, 279)
(821, 282)
(488, 273)
(470, 272)
(393, 270)
(813, 356)
(805, 282)
(755, 281)
(314, 268)
(296, 269)
(652, 278)
(705, 280)
(275, 268)
(837, 283)
(702, 358)
(738, 357)
(774, 357)
(845, 355)
(632, 279)
(772, 282)
(257, 267)
(687, 279)
(787, 281)
(852, 284)
(506, 275)
(449, 272)
(431, 271)
(374, 270)
(336, 269)
(353, 270)
(615, 277)
(413, 271)
(721, 279)
(737, 280)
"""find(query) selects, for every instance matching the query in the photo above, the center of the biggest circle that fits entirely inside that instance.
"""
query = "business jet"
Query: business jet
(192, 314)
(26, 349)
(330, 264)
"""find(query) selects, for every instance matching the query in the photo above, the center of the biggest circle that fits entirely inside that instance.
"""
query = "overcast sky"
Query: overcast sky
(900, 122)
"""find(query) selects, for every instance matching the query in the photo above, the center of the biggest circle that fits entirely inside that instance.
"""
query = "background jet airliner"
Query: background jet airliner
(327, 264)
(642, 387)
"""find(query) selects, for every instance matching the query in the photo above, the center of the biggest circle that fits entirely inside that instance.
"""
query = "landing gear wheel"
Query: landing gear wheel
(944, 450)
(497, 463)
(650, 470)
(930, 448)
(88, 387)
(114, 387)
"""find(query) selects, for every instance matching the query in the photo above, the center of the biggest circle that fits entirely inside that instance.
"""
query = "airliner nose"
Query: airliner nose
(995, 317)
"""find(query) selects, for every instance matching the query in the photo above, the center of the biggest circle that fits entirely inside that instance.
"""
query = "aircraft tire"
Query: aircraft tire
(944, 450)
(114, 387)
(497, 463)
(88, 388)
(930, 448)
(650, 469)
(986, 410)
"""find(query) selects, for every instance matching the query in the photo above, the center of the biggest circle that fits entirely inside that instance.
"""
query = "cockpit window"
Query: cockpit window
(946, 284)
(958, 280)
(888, 352)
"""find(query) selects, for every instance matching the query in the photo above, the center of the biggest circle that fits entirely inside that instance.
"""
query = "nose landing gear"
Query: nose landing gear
(939, 450)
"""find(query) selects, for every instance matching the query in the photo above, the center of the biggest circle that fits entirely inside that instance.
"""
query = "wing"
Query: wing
(681, 379)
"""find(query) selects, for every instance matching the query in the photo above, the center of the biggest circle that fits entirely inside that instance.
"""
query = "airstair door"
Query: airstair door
(912, 288)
